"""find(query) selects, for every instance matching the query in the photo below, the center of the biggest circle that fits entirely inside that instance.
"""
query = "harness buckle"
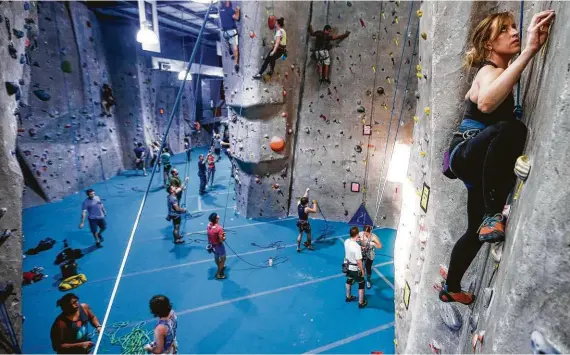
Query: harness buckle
(470, 133)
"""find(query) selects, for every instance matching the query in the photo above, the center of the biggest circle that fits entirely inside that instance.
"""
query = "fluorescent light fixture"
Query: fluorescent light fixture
(146, 35)
(182, 74)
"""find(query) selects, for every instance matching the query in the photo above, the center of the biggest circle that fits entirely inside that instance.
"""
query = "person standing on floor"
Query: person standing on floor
(368, 242)
(140, 156)
(188, 148)
(202, 173)
(165, 331)
(177, 183)
(355, 269)
(483, 152)
(303, 224)
(70, 331)
(165, 160)
(216, 238)
(175, 213)
(217, 143)
(93, 208)
(278, 50)
(155, 150)
(228, 18)
(211, 168)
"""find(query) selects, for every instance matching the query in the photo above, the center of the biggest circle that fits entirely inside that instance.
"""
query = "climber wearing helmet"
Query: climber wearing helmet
(279, 48)
(490, 138)
(322, 46)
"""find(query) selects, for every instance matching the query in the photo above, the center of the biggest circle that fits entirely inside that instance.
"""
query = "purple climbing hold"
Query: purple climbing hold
(32, 132)
(12, 88)
(42, 95)
(26, 6)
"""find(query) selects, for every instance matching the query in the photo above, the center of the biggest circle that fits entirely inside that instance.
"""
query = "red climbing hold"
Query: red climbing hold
(277, 144)
(271, 22)
(21, 130)
(197, 126)
(251, 34)
(284, 115)
(362, 23)
(68, 126)
(284, 92)
(323, 117)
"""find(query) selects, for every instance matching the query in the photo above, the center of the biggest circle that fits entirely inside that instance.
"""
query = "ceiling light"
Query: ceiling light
(146, 35)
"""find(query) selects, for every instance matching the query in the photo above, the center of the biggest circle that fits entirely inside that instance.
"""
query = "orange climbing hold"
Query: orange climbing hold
(271, 22)
(197, 126)
(251, 34)
(277, 144)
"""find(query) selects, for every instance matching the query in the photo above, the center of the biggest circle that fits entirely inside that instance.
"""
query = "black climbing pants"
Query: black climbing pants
(270, 60)
(486, 164)
(368, 266)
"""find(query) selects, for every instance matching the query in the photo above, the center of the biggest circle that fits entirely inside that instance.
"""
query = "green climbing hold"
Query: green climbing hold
(66, 67)
(361, 109)
(12, 88)
(42, 95)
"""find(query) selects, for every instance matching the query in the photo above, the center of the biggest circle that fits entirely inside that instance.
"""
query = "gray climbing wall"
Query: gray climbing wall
(260, 110)
(331, 151)
(531, 282)
(12, 71)
(62, 138)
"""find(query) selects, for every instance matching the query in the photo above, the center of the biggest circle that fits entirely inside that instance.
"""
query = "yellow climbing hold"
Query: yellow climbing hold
(419, 75)
(396, 40)
(424, 35)
(420, 13)
(374, 68)
(422, 153)
(396, 20)
(427, 110)
(416, 119)
(383, 15)
(364, 189)
(363, 121)
(418, 67)
(385, 107)
(389, 80)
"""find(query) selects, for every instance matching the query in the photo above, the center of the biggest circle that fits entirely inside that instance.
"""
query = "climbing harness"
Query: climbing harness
(400, 120)
(448, 157)
(143, 201)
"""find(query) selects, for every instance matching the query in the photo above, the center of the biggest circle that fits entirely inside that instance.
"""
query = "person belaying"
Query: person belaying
(217, 144)
(166, 164)
(175, 182)
(165, 331)
(175, 213)
(216, 238)
(202, 174)
(484, 151)
(279, 48)
(155, 150)
(303, 224)
(140, 156)
(226, 143)
(228, 18)
(354, 268)
(211, 168)
(107, 100)
(70, 331)
(187, 148)
(322, 46)
(93, 208)
(368, 242)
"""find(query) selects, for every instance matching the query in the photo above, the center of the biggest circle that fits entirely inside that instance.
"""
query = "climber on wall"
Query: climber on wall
(140, 156)
(107, 100)
(93, 208)
(490, 138)
(322, 46)
(279, 48)
(303, 224)
(228, 18)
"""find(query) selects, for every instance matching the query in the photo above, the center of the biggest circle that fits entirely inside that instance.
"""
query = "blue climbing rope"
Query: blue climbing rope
(397, 82)
(381, 191)
(143, 201)
(518, 108)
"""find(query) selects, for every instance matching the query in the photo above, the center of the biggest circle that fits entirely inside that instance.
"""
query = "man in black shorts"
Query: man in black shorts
(175, 213)
(140, 154)
(354, 268)
(303, 224)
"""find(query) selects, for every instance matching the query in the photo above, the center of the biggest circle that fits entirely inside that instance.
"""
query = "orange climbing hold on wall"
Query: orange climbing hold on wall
(277, 144)
(271, 22)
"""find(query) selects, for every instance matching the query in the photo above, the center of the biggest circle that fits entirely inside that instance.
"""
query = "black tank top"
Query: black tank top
(303, 216)
(504, 112)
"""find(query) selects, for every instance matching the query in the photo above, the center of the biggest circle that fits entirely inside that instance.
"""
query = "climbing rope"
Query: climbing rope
(397, 82)
(143, 201)
(381, 191)
(518, 108)
(132, 342)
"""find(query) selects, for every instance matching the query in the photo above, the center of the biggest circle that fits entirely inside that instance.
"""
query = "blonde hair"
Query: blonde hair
(482, 34)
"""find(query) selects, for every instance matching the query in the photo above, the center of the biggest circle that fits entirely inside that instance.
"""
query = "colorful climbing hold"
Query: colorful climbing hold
(17, 33)
(66, 67)
(416, 119)
(277, 144)
(284, 115)
(251, 34)
(271, 22)
(27, 5)
(12, 88)
(349, 4)
(68, 125)
(427, 111)
(361, 109)
(424, 35)
(420, 13)
(362, 23)
(284, 92)
(42, 95)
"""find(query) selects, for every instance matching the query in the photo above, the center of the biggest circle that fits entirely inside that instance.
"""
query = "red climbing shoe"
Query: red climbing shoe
(461, 297)
(492, 229)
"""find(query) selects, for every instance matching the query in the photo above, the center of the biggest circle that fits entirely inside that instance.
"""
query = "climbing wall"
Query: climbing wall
(373, 83)
(61, 136)
(21, 16)
(261, 110)
(526, 292)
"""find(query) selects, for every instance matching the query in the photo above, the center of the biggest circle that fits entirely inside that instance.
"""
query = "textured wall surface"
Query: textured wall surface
(12, 71)
(530, 284)
(331, 150)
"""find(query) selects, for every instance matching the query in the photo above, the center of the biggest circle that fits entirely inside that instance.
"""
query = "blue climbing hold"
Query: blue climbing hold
(26, 6)
(450, 316)
(17, 33)
(42, 95)
(12, 88)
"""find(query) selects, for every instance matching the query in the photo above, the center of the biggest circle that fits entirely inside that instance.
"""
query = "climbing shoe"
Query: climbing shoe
(363, 304)
(308, 245)
(257, 76)
(220, 277)
(461, 297)
(492, 230)
(350, 299)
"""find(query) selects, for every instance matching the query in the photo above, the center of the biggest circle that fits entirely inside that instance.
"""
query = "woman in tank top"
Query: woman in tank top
(279, 48)
(490, 138)
(165, 330)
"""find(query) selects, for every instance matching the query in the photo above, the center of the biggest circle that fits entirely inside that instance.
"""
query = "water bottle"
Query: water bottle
(270, 261)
